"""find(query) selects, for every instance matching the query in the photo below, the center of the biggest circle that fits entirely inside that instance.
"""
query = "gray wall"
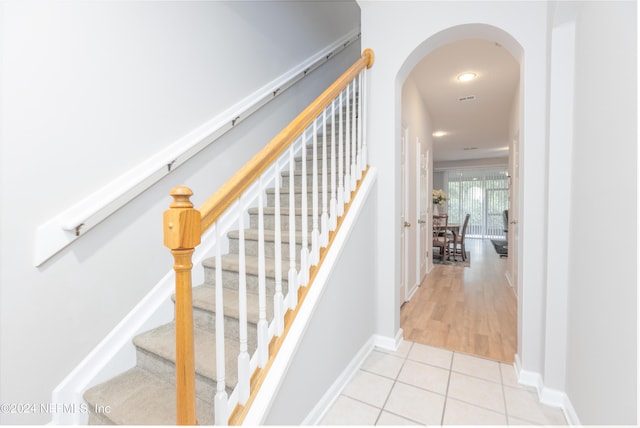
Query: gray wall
(90, 90)
(342, 323)
(602, 301)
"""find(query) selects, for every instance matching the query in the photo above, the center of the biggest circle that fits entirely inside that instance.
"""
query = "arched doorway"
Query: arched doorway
(522, 29)
(453, 308)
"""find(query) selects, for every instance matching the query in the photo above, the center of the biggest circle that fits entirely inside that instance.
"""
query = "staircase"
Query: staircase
(145, 394)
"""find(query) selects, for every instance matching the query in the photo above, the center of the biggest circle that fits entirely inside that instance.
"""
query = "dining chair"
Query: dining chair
(457, 241)
(440, 239)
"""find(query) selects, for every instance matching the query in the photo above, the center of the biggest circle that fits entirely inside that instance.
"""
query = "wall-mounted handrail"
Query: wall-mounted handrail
(184, 226)
(213, 207)
(66, 227)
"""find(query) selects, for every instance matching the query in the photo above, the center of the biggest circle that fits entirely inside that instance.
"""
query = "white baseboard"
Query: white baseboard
(413, 291)
(375, 341)
(320, 409)
(388, 343)
(548, 396)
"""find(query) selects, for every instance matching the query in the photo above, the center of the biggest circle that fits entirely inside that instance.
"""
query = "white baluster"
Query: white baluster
(364, 119)
(304, 251)
(340, 204)
(333, 213)
(293, 275)
(315, 229)
(360, 166)
(354, 127)
(263, 325)
(220, 399)
(324, 220)
(347, 148)
(243, 357)
(278, 298)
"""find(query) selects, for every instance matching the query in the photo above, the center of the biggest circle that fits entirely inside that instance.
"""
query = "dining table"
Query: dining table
(453, 228)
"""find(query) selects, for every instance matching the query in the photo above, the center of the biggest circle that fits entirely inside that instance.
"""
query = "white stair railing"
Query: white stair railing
(347, 150)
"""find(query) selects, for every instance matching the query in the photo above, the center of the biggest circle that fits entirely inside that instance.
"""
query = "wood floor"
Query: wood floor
(466, 309)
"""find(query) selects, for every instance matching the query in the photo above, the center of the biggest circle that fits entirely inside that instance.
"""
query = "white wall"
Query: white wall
(91, 89)
(578, 323)
(521, 27)
(415, 117)
(602, 296)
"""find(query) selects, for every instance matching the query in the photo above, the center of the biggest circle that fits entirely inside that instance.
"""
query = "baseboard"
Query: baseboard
(389, 343)
(375, 341)
(548, 396)
(413, 291)
(317, 413)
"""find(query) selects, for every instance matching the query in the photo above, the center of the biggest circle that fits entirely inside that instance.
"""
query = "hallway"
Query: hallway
(470, 309)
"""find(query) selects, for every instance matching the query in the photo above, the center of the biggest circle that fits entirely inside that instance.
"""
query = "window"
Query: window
(481, 192)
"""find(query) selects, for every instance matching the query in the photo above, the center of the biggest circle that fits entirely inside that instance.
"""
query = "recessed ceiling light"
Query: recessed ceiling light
(465, 77)
(439, 134)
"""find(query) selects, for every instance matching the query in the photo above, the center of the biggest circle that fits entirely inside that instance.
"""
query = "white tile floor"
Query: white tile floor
(423, 385)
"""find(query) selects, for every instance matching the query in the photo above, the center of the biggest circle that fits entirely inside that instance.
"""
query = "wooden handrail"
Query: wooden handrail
(213, 207)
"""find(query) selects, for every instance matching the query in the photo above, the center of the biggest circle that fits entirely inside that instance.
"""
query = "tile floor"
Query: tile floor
(424, 385)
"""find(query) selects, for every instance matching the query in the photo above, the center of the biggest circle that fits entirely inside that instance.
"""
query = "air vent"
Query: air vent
(470, 148)
(467, 98)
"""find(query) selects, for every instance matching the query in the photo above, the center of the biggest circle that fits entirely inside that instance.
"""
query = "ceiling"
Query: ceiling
(476, 128)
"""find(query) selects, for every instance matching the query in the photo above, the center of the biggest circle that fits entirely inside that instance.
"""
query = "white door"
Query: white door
(513, 237)
(404, 225)
(422, 195)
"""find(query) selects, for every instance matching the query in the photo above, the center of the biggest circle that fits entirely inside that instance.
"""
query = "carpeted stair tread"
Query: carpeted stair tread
(231, 262)
(161, 342)
(137, 397)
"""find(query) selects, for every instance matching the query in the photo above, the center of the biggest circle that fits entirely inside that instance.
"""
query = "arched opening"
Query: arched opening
(416, 148)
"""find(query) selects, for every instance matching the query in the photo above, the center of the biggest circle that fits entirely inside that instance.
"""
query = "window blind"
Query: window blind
(481, 192)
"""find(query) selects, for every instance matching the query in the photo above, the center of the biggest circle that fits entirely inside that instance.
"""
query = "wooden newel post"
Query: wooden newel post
(182, 235)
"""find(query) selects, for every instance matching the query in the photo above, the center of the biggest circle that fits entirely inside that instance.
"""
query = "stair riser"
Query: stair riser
(230, 280)
(269, 221)
(284, 200)
(297, 179)
(345, 161)
(166, 370)
(207, 320)
(330, 135)
(319, 152)
(251, 247)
